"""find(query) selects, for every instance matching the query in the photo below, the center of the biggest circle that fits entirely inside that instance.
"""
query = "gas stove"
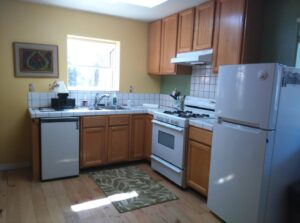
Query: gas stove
(169, 135)
(194, 108)
(186, 114)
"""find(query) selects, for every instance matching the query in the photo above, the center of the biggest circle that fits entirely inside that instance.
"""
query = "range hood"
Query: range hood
(193, 58)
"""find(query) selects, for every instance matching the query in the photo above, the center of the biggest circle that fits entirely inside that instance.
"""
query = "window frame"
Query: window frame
(116, 75)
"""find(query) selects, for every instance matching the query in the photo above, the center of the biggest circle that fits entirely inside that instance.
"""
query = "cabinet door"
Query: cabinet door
(198, 166)
(204, 24)
(185, 31)
(138, 137)
(169, 44)
(93, 146)
(35, 148)
(118, 143)
(154, 47)
(148, 137)
(228, 36)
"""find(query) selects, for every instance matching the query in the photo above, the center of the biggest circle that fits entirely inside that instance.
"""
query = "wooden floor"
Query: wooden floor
(22, 200)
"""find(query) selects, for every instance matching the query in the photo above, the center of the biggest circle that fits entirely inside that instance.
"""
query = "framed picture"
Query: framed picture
(35, 60)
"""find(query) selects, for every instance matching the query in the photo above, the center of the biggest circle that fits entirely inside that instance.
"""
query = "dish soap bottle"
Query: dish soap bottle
(114, 99)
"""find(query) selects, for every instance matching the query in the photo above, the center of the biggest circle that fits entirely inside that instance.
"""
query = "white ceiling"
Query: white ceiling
(122, 9)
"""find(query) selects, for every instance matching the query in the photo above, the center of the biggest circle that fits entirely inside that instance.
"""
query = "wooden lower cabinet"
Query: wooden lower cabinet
(138, 126)
(198, 161)
(93, 146)
(118, 143)
(35, 148)
(141, 139)
(114, 138)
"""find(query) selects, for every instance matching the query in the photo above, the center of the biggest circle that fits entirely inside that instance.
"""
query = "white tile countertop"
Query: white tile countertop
(204, 123)
(44, 113)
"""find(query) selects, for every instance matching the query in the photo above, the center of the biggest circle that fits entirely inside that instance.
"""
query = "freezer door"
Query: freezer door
(236, 192)
(249, 94)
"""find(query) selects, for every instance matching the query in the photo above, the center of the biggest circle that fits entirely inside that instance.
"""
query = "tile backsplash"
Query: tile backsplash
(203, 82)
(43, 99)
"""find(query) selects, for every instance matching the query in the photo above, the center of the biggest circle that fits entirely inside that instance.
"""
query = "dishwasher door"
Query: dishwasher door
(59, 147)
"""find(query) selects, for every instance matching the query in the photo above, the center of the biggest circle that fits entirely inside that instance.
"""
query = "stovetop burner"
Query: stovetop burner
(186, 114)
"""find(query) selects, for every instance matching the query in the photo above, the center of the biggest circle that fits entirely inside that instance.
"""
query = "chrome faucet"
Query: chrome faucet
(99, 98)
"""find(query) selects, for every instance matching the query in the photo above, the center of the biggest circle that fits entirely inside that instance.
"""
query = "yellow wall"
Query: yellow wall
(33, 23)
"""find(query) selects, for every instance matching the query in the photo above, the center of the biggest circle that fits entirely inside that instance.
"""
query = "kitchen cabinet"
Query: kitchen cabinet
(169, 44)
(154, 47)
(198, 161)
(138, 127)
(204, 25)
(118, 146)
(236, 32)
(185, 30)
(93, 141)
(118, 138)
(141, 140)
(148, 139)
(35, 148)
(104, 139)
(162, 49)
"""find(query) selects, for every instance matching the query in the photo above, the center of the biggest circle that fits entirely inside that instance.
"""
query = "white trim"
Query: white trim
(12, 166)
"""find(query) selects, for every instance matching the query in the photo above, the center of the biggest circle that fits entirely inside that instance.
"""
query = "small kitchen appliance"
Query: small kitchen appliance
(59, 147)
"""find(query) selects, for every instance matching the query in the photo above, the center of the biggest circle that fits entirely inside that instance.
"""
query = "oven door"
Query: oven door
(168, 143)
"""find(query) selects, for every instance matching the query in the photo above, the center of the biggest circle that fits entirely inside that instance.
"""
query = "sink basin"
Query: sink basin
(118, 107)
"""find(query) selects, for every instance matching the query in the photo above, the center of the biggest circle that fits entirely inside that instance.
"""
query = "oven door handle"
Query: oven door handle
(178, 129)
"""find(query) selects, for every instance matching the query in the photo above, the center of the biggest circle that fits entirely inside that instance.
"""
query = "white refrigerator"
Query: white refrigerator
(256, 143)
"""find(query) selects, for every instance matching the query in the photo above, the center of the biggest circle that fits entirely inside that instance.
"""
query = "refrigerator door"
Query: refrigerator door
(59, 148)
(238, 163)
(248, 94)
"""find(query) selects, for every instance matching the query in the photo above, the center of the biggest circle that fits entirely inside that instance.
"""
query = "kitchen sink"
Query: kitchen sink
(117, 107)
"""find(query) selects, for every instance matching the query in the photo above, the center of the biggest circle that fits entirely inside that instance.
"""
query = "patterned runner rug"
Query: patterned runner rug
(129, 188)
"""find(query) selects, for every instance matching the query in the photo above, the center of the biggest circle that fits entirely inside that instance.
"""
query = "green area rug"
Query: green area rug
(136, 188)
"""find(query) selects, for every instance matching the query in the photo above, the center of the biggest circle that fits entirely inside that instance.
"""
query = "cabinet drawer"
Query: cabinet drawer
(93, 121)
(118, 120)
(200, 135)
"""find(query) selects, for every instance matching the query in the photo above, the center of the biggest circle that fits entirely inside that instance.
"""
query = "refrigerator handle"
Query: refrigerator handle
(239, 127)
(77, 124)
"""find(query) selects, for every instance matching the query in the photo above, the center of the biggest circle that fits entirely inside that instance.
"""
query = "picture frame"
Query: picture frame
(35, 60)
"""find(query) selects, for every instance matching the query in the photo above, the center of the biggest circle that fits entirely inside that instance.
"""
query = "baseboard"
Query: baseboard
(12, 166)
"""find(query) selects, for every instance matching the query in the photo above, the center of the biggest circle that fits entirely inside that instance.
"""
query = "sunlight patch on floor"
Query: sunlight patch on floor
(103, 201)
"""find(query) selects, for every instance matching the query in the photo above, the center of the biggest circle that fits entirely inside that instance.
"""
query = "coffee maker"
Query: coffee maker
(62, 101)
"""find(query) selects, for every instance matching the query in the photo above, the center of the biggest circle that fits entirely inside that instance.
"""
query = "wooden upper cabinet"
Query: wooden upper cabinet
(204, 26)
(168, 44)
(154, 47)
(228, 35)
(185, 30)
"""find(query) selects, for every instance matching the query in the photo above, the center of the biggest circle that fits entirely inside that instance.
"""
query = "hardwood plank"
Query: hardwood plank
(28, 201)
(13, 205)
(52, 203)
(3, 196)
(25, 198)
(64, 202)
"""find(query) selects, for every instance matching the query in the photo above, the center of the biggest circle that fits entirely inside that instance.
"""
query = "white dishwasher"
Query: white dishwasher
(59, 147)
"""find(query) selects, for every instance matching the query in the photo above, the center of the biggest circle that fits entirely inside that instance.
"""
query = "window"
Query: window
(93, 64)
